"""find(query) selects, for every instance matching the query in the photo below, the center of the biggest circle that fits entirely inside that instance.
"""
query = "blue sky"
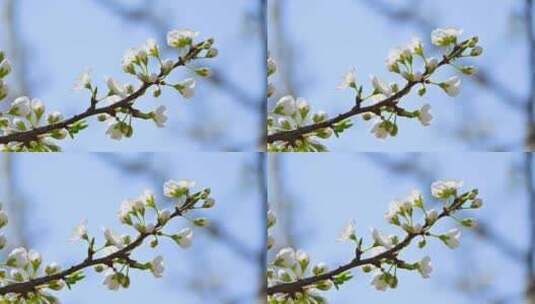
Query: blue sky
(330, 37)
(329, 190)
(63, 38)
(61, 190)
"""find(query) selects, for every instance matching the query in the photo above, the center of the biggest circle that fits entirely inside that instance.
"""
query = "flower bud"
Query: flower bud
(212, 53)
(208, 203)
(204, 72)
(477, 51)
(319, 269)
(52, 268)
(200, 222)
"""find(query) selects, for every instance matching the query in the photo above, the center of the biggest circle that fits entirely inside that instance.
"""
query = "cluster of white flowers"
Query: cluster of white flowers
(25, 114)
(27, 117)
(114, 258)
(137, 62)
(291, 280)
(289, 114)
(381, 106)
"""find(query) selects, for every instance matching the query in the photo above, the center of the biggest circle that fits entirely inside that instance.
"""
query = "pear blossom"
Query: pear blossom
(20, 106)
(159, 116)
(83, 81)
(113, 239)
(379, 281)
(115, 131)
(380, 239)
(111, 280)
(393, 210)
(424, 267)
(394, 57)
(52, 268)
(157, 267)
(286, 257)
(18, 257)
(181, 38)
(424, 115)
(379, 129)
(184, 237)
(445, 189)
(151, 47)
(451, 86)
(164, 216)
(445, 36)
(114, 87)
(348, 232)
(176, 189)
(186, 87)
(80, 231)
(16, 275)
(286, 106)
(380, 86)
(416, 46)
(35, 258)
(451, 238)
(349, 80)
(320, 268)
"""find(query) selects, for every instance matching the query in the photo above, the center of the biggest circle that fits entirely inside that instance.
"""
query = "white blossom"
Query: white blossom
(113, 239)
(286, 257)
(83, 81)
(186, 87)
(451, 86)
(451, 238)
(445, 36)
(380, 86)
(380, 239)
(115, 87)
(176, 189)
(379, 129)
(115, 131)
(20, 106)
(286, 106)
(424, 115)
(181, 38)
(425, 267)
(348, 232)
(157, 267)
(80, 231)
(184, 237)
(349, 80)
(159, 116)
(111, 280)
(379, 281)
(18, 257)
(445, 189)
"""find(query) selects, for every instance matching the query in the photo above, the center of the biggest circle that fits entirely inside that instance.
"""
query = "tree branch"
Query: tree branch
(293, 135)
(33, 284)
(34, 134)
(300, 285)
